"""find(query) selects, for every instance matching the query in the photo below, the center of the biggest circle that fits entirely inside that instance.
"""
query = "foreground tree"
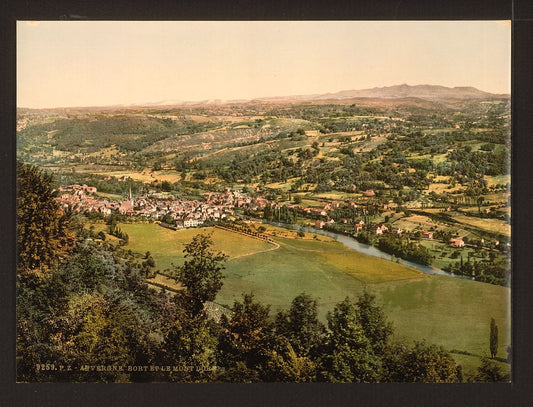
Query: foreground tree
(284, 365)
(421, 363)
(243, 345)
(489, 371)
(373, 321)
(201, 273)
(347, 355)
(300, 325)
(42, 234)
(189, 345)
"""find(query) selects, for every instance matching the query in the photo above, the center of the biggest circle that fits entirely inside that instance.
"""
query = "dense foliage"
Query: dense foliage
(42, 235)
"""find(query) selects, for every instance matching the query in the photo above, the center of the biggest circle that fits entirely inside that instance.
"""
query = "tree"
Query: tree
(166, 186)
(347, 355)
(489, 371)
(42, 227)
(190, 345)
(284, 365)
(373, 322)
(243, 344)
(201, 273)
(493, 338)
(421, 363)
(300, 325)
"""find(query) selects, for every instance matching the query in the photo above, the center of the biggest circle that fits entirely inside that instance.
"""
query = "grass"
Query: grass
(166, 245)
(436, 158)
(412, 222)
(106, 195)
(498, 179)
(142, 176)
(162, 281)
(447, 311)
(451, 312)
(277, 231)
(487, 224)
(340, 196)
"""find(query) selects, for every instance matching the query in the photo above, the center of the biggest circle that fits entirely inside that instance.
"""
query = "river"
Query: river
(370, 250)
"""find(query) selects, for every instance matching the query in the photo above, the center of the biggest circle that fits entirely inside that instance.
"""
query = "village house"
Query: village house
(319, 224)
(90, 190)
(369, 193)
(358, 226)
(457, 242)
(380, 229)
(426, 235)
(125, 207)
(190, 222)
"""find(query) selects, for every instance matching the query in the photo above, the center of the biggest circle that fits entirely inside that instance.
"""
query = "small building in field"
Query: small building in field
(425, 234)
(457, 242)
(369, 193)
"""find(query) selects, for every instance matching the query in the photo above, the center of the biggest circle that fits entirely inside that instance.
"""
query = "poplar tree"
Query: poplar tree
(493, 338)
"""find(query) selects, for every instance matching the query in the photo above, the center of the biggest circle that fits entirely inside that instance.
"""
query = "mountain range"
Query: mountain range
(427, 92)
(431, 92)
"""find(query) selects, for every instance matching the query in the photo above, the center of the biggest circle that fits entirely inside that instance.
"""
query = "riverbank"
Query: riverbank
(352, 243)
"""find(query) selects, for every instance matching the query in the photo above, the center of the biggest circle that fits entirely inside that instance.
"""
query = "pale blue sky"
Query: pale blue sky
(72, 63)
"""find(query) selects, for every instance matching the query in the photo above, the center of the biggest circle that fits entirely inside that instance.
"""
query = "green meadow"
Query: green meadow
(447, 311)
(166, 245)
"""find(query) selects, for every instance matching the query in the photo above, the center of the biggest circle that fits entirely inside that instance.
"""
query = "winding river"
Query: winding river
(370, 250)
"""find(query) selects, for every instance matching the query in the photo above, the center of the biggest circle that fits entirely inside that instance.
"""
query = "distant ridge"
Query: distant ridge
(431, 92)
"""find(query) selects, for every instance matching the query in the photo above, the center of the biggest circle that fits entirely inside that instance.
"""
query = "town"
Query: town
(222, 206)
(179, 213)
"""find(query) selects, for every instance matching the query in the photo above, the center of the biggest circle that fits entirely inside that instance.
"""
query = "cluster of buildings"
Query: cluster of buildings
(181, 213)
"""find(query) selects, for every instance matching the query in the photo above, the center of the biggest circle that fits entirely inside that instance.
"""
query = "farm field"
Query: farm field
(141, 176)
(451, 312)
(489, 225)
(276, 231)
(166, 245)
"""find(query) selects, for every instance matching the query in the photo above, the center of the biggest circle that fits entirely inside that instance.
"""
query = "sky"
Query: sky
(102, 63)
